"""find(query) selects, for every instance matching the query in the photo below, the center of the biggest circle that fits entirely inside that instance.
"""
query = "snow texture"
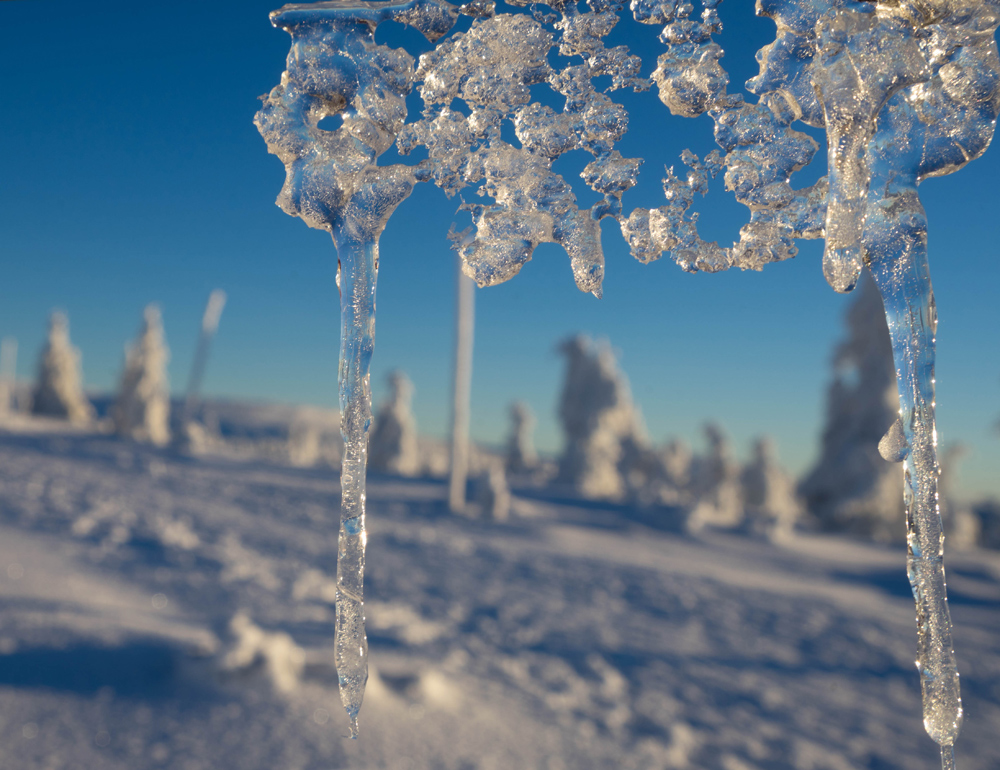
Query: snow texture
(58, 389)
(573, 638)
(142, 409)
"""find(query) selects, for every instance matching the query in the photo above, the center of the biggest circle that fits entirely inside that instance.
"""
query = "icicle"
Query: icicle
(895, 240)
(333, 183)
(906, 291)
(358, 275)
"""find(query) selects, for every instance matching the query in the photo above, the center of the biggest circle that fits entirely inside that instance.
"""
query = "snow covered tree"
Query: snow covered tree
(768, 492)
(715, 484)
(8, 373)
(521, 455)
(852, 488)
(492, 492)
(59, 391)
(393, 446)
(142, 409)
(597, 416)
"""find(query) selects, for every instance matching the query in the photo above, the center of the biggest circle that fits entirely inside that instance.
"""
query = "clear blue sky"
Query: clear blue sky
(130, 172)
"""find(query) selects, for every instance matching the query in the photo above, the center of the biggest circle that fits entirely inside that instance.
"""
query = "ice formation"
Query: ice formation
(905, 89)
(393, 446)
(597, 416)
(332, 183)
(852, 488)
(142, 409)
(521, 454)
(58, 391)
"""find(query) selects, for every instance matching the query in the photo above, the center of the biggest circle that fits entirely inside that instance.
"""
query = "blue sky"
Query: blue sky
(130, 172)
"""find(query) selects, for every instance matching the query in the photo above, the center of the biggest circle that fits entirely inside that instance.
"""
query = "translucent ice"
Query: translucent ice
(332, 182)
(906, 89)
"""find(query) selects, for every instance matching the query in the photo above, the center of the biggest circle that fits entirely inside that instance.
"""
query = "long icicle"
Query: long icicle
(902, 273)
(356, 278)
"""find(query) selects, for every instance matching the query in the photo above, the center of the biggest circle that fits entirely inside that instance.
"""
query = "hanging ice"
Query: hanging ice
(335, 69)
(906, 89)
(917, 87)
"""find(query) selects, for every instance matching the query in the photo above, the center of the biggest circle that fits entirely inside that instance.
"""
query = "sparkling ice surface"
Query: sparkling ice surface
(905, 89)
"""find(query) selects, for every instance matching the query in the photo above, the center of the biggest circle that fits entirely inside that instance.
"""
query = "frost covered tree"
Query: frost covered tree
(142, 409)
(58, 390)
(492, 492)
(769, 499)
(521, 454)
(675, 459)
(8, 373)
(393, 446)
(715, 484)
(852, 488)
(598, 418)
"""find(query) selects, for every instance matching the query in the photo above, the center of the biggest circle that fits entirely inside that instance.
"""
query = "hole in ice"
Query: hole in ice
(331, 122)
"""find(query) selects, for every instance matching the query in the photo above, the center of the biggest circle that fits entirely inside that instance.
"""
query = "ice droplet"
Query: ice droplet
(893, 446)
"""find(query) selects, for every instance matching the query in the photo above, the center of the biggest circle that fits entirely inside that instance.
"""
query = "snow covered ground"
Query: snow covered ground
(162, 611)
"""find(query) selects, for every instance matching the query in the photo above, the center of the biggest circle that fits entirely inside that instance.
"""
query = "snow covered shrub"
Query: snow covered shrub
(142, 409)
(769, 500)
(521, 455)
(393, 446)
(58, 390)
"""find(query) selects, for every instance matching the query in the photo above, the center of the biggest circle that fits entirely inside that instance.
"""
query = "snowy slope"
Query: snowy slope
(570, 637)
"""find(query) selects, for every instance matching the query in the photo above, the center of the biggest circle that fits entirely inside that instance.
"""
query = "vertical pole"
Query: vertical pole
(465, 315)
(209, 325)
